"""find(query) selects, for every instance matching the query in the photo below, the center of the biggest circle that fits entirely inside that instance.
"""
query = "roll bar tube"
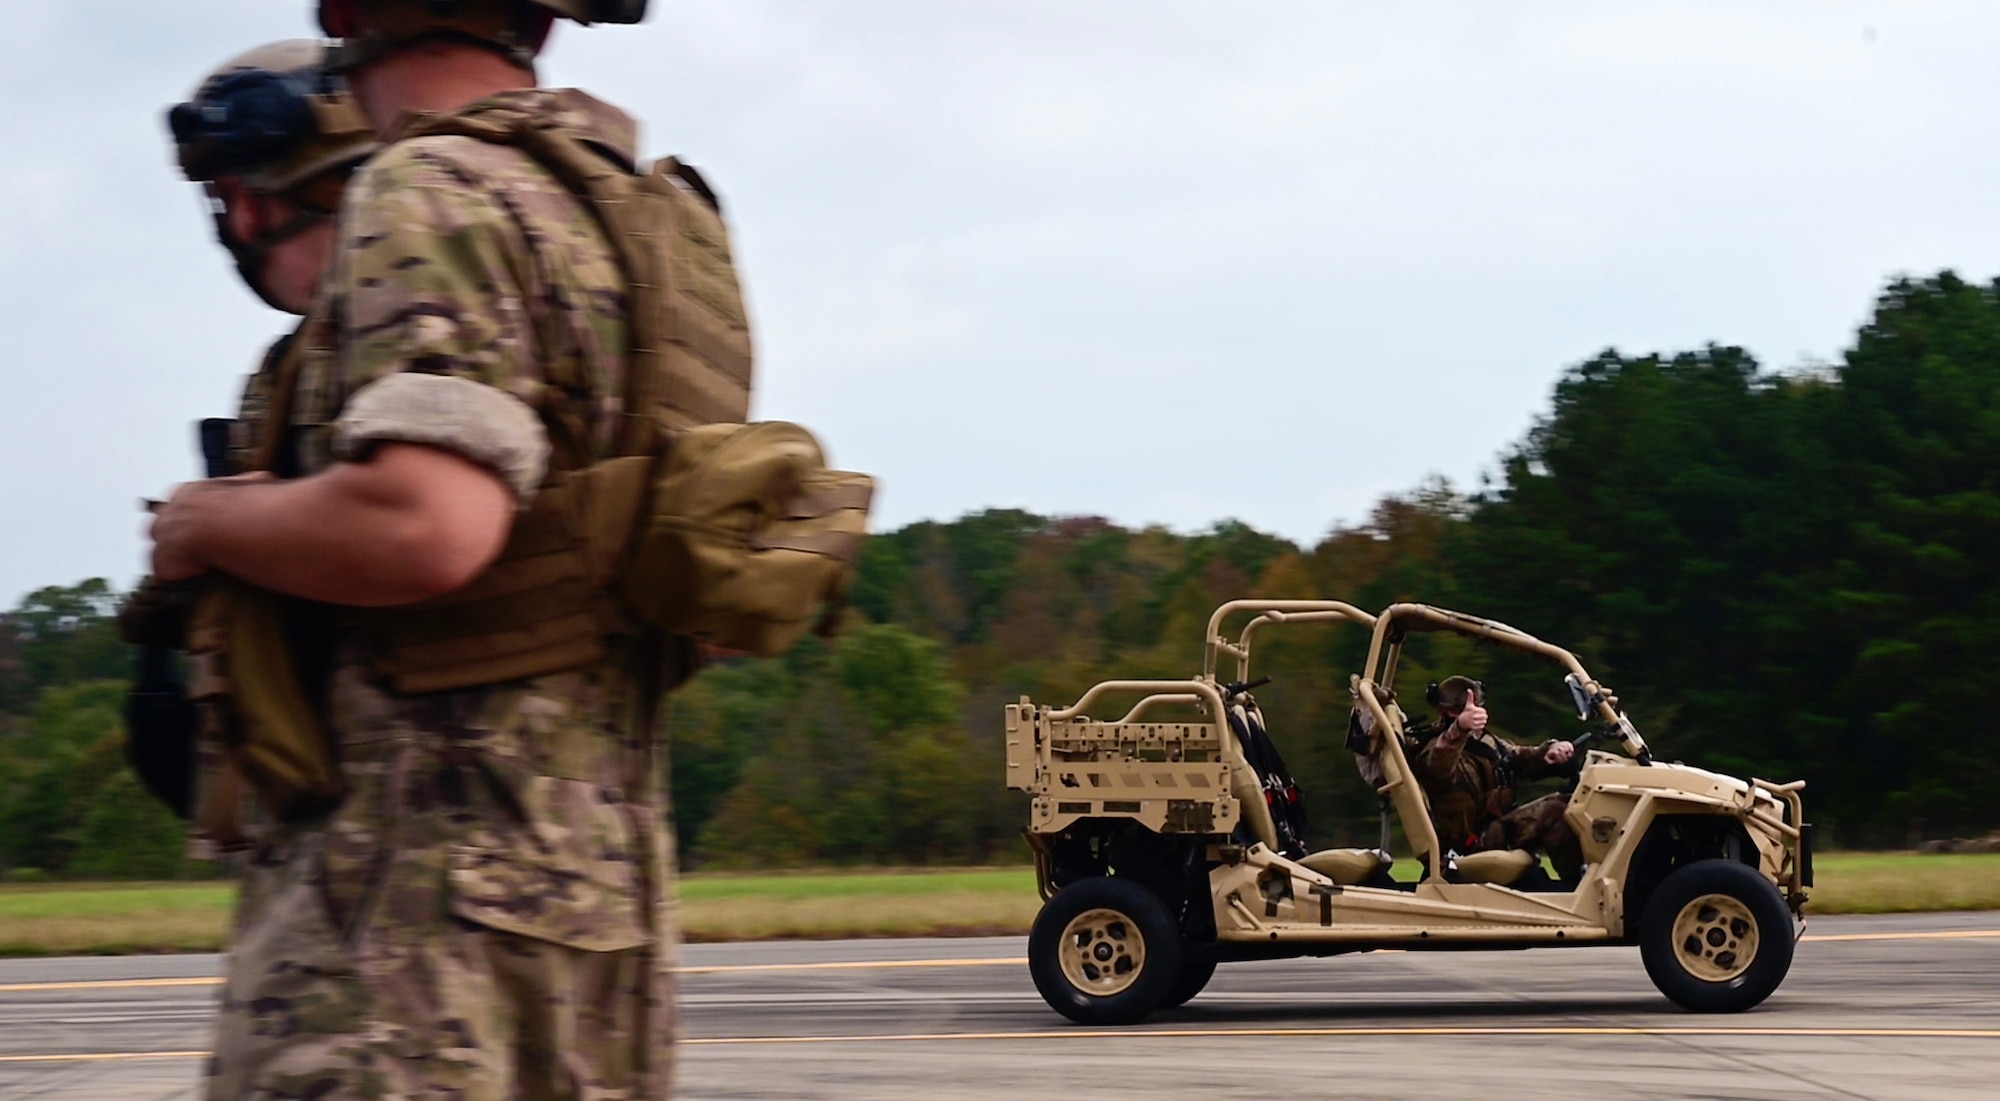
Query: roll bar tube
(1202, 691)
(1270, 611)
(1399, 619)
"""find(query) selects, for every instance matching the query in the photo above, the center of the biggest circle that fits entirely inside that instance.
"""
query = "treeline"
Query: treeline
(68, 803)
(1782, 574)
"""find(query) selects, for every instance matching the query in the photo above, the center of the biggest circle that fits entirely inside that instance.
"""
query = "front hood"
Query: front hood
(1691, 775)
(1675, 777)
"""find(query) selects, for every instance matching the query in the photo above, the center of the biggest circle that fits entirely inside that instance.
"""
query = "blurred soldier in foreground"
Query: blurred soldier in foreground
(272, 139)
(471, 889)
(1469, 775)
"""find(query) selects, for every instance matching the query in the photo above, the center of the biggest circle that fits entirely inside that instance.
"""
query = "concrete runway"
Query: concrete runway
(1882, 1008)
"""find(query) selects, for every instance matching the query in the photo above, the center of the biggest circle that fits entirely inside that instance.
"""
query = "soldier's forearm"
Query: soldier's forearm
(1532, 764)
(410, 524)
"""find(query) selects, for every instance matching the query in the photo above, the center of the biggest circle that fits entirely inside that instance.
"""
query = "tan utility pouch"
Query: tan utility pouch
(748, 540)
(242, 672)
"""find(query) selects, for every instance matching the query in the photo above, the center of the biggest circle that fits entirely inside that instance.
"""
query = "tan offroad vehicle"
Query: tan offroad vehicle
(1163, 843)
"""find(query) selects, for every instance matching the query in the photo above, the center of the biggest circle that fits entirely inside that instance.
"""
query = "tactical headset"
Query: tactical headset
(482, 24)
(247, 120)
(289, 129)
(1434, 696)
(592, 11)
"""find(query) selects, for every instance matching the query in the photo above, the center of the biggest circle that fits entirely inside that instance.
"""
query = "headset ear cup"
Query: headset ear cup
(1431, 694)
(618, 11)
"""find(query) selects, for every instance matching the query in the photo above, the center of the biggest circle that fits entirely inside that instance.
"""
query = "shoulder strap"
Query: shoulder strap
(688, 342)
(1480, 747)
(278, 414)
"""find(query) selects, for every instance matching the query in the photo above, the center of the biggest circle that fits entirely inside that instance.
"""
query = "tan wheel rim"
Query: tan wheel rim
(1715, 938)
(1102, 952)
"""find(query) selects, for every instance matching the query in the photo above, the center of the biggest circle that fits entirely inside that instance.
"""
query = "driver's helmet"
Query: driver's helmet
(1451, 693)
(517, 28)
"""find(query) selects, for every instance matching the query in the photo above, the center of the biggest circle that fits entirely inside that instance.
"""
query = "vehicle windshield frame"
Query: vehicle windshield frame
(1398, 621)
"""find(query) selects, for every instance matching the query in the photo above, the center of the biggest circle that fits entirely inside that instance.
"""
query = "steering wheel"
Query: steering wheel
(1574, 769)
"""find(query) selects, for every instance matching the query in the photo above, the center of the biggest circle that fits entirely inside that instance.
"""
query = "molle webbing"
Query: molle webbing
(541, 608)
(545, 605)
(688, 350)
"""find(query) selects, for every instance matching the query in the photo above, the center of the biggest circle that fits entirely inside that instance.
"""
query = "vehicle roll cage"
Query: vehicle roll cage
(1389, 631)
(1269, 611)
(1206, 690)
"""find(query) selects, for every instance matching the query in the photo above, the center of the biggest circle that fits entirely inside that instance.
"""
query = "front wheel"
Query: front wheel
(1716, 937)
(1105, 951)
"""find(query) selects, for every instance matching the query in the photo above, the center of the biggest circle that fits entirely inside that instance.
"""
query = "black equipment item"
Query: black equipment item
(159, 718)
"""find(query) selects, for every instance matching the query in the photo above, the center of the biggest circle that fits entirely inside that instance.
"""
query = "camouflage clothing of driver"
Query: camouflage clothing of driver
(1469, 784)
(488, 914)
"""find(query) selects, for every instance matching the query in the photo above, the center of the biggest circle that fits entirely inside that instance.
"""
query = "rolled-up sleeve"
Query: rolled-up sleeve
(487, 425)
(438, 343)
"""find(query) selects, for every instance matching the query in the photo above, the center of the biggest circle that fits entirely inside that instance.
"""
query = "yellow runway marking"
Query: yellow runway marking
(850, 965)
(890, 965)
(1936, 934)
(103, 1056)
(1444, 1030)
(1210, 1034)
(106, 984)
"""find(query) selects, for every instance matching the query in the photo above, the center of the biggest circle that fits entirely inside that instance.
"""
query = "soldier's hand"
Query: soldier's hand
(1472, 720)
(1560, 753)
(177, 523)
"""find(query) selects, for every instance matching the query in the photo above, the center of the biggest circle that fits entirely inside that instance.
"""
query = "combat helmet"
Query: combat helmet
(276, 120)
(272, 117)
(1451, 693)
(517, 28)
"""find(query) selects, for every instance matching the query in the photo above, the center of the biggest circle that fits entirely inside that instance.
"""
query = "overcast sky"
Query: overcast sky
(1160, 261)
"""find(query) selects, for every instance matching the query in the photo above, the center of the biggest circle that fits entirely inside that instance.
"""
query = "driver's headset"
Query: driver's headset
(1435, 698)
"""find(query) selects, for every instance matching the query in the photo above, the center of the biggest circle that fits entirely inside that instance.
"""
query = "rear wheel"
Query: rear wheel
(1716, 937)
(1105, 951)
(1197, 967)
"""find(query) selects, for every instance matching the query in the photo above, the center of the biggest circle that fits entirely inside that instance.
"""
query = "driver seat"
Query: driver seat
(1386, 765)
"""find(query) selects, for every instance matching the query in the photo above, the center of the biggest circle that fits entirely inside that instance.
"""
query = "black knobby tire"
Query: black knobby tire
(1716, 937)
(1197, 967)
(1105, 951)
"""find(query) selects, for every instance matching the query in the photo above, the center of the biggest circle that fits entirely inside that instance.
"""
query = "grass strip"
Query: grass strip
(1900, 883)
(61, 919)
(113, 919)
(888, 903)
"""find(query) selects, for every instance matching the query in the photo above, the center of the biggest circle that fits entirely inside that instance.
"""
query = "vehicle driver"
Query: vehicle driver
(1469, 776)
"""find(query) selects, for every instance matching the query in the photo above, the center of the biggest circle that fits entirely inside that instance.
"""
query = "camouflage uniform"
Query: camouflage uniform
(1470, 787)
(228, 817)
(253, 410)
(488, 914)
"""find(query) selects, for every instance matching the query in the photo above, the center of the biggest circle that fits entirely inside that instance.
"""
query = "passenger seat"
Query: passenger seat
(1346, 867)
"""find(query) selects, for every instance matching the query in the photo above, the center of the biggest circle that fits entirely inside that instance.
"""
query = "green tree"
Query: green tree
(59, 635)
(55, 771)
